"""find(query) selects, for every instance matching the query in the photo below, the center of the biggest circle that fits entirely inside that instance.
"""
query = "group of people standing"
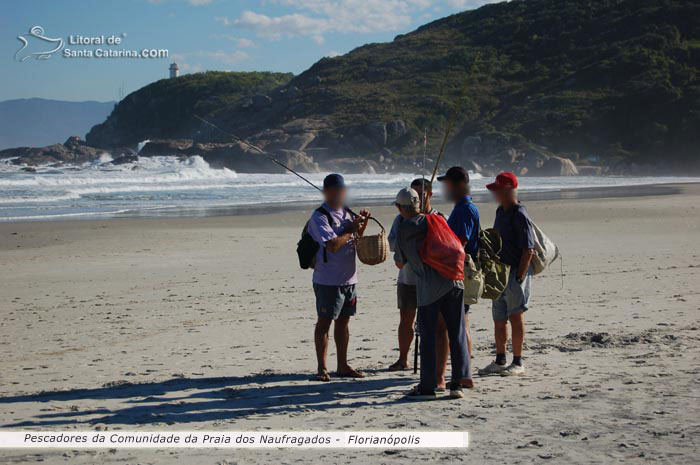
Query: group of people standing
(422, 292)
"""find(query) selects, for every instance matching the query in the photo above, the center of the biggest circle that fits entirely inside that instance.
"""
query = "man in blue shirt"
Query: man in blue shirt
(518, 237)
(464, 222)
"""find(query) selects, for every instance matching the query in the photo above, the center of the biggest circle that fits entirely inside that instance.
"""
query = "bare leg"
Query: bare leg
(408, 318)
(321, 331)
(341, 334)
(469, 336)
(443, 351)
(501, 335)
(517, 324)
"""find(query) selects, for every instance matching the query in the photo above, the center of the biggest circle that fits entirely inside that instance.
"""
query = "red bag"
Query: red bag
(442, 250)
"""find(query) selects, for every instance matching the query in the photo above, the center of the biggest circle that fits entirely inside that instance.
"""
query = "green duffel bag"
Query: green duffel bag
(495, 273)
(473, 281)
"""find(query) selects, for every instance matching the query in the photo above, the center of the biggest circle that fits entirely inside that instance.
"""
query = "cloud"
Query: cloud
(244, 43)
(316, 18)
(333, 54)
(286, 25)
(241, 42)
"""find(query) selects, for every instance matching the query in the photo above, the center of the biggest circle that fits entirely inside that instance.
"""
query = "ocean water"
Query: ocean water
(168, 185)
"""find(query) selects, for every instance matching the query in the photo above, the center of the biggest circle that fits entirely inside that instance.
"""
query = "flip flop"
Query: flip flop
(321, 377)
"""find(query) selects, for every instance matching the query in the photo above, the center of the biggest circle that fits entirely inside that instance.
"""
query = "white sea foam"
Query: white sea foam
(100, 188)
(154, 170)
(141, 145)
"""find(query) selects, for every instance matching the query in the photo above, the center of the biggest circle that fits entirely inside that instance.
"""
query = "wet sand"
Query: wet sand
(207, 324)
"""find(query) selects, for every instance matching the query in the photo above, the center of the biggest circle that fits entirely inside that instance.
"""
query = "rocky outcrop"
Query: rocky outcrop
(278, 139)
(307, 145)
(396, 129)
(492, 152)
(124, 159)
(589, 170)
(73, 151)
(297, 160)
(557, 166)
(166, 147)
(376, 133)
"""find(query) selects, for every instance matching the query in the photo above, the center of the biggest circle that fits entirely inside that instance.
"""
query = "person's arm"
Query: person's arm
(461, 225)
(524, 265)
(526, 241)
(323, 233)
(337, 243)
(393, 231)
(399, 258)
(364, 219)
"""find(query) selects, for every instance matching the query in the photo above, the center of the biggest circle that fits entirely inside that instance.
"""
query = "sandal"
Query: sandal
(323, 377)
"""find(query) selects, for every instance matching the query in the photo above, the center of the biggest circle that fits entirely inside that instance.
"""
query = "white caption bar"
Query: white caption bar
(218, 439)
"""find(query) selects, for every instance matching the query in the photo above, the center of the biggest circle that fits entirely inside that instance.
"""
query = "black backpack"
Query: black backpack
(307, 247)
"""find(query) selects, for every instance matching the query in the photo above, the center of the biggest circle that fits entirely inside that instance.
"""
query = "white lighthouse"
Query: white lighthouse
(174, 70)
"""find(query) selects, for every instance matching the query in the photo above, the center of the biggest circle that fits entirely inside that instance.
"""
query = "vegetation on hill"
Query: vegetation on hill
(611, 80)
(164, 108)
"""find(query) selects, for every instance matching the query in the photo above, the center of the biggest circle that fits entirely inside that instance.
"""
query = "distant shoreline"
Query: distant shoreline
(277, 208)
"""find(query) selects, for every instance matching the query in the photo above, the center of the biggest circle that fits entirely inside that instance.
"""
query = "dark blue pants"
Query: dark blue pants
(451, 306)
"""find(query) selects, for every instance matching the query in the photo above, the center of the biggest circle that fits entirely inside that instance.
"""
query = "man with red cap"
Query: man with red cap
(514, 225)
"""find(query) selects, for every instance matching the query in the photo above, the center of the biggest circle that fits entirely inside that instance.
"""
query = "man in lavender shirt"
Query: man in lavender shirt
(335, 275)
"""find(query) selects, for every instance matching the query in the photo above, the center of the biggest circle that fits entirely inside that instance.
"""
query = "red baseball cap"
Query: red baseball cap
(503, 181)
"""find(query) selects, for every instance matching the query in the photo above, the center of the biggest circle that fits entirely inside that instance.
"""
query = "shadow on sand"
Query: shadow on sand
(184, 400)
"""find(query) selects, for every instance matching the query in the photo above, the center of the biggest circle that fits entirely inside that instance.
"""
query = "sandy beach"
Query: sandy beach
(207, 324)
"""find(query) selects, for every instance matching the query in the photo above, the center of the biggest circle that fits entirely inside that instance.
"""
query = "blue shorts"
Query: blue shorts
(515, 298)
(335, 301)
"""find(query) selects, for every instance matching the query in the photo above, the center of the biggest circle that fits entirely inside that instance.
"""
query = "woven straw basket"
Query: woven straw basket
(372, 250)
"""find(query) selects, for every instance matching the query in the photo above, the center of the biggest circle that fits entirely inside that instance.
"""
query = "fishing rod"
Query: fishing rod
(424, 209)
(272, 159)
(424, 191)
(456, 109)
(258, 149)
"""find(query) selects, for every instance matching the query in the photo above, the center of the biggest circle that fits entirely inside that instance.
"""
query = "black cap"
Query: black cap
(333, 180)
(456, 174)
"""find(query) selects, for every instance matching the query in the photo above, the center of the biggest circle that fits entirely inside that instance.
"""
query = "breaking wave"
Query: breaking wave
(153, 184)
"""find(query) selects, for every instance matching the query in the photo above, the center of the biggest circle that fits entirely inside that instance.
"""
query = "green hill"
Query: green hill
(164, 108)
(605, 81)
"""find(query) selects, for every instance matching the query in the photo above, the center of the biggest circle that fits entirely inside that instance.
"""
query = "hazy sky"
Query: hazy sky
(236, 35)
